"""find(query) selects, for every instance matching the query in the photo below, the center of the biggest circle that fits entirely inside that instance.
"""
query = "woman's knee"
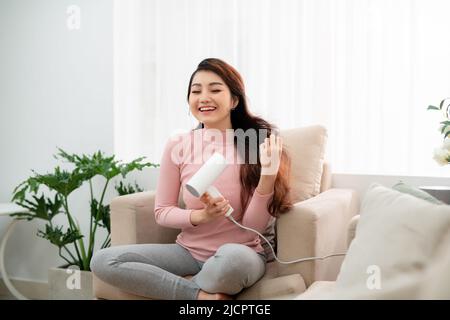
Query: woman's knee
(101, 261)
(233, 268)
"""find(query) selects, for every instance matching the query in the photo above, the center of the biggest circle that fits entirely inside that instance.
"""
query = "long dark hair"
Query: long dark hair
(241, 118)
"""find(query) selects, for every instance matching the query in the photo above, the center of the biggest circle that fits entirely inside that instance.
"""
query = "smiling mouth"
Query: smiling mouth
(207, 109)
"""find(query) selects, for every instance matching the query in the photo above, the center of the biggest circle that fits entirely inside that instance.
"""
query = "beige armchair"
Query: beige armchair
(316, 226)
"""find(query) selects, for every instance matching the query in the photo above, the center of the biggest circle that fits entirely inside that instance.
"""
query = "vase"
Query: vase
(70, 284)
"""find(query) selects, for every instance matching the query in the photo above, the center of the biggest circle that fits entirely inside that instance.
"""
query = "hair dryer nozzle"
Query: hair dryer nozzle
(206, 175)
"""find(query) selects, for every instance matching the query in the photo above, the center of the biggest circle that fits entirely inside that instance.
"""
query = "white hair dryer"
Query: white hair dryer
(203, 179)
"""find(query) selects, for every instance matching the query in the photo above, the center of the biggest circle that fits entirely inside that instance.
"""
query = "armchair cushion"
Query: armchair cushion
(396, 236)
(306, 147)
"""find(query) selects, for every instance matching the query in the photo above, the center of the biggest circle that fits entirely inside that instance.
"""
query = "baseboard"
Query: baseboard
(34, 290)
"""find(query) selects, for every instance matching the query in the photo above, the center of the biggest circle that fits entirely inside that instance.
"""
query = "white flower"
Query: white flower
(442, 156)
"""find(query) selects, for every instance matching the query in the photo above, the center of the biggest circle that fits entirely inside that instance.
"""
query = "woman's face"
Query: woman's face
(210, 100)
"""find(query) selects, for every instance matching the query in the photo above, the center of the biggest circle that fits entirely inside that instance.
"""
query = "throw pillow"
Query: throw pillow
(396, 236)
(436, 280)
(416, 192)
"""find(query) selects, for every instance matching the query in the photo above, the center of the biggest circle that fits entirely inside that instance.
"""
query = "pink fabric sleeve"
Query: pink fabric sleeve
(257, 216)
(167, 212)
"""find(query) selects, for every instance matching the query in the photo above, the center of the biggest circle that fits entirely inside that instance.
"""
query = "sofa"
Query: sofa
(398, 248)
(316, 225)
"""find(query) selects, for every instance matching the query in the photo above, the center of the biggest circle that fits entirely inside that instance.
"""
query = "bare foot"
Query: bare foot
(223, 296)
(202, 295)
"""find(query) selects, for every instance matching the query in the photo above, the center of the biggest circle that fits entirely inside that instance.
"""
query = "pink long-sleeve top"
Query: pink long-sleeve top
(183, 155)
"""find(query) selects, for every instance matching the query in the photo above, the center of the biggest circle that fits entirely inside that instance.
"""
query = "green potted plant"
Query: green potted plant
(45, 196)
(442, 154)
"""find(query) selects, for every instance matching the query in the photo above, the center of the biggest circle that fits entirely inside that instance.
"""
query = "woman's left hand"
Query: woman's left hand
(270, 155)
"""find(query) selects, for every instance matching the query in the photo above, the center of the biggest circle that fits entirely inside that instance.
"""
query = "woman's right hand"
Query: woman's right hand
(213, 209)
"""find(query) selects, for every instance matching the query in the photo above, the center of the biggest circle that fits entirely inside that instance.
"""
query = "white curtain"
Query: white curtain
(366, 69)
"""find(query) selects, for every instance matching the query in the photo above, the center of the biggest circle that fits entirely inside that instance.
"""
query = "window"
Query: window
(367, 70)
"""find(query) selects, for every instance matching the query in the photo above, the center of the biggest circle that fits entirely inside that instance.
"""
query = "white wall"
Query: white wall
(55, 90)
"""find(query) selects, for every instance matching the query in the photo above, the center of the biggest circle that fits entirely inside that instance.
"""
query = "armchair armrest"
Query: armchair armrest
(313, 228)
(133, 221)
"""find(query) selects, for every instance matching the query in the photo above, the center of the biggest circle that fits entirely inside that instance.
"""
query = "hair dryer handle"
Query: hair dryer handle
(213, 192)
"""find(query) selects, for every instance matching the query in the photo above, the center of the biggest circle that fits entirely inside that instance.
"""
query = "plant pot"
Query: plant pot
(70, 284)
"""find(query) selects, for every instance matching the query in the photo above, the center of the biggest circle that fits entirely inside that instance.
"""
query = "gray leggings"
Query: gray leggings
(157, 270)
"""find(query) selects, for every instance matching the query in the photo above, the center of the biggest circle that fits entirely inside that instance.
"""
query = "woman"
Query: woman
(212, 258)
